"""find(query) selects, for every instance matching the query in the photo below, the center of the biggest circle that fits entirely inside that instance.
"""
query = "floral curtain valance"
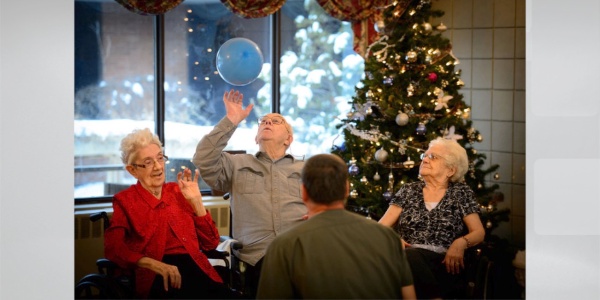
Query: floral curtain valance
(352, 10)
(362, 13)
(251, 9)
(149, 7)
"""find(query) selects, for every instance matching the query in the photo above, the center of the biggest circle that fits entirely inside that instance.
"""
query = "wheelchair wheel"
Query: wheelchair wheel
(99, 286)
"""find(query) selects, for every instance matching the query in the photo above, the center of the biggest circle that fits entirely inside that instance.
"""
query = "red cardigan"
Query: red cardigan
(139, 227)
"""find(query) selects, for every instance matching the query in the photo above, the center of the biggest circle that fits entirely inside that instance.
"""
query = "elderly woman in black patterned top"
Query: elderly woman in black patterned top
(437, 218)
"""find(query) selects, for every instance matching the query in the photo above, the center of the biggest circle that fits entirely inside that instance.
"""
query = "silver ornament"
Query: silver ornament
(381, 155)
(402, 119)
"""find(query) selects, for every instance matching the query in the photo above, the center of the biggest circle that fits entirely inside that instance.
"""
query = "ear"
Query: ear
(304, 194)
(347, 189)
(289, 140)
(452, 172)
(131, 169)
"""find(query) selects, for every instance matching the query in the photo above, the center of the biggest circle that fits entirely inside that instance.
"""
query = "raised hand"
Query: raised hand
(233, 105)
(188, 185)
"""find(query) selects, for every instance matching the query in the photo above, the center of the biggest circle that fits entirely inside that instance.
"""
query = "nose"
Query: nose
(157, 165)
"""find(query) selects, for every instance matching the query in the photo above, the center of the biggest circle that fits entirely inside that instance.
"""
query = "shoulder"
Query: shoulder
(416, 185)
(411, 188)
(460, 187)
(126, 194)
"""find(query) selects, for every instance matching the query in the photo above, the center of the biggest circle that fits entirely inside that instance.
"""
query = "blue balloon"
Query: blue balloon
(239, 61)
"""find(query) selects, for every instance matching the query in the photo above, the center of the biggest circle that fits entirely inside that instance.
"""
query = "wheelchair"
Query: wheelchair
(113, 282)
(476, 278)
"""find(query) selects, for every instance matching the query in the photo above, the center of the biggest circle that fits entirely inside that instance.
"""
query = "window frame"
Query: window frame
(159, 93)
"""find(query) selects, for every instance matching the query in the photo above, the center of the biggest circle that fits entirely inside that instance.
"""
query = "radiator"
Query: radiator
(89, 236)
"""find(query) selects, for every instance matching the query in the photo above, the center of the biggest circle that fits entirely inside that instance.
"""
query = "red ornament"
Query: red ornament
(432, 77)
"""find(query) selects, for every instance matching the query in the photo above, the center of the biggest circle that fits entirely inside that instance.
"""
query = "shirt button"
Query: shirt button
(184, 239)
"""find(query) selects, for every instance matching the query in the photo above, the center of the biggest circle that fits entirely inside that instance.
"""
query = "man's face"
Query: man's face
(273, 128)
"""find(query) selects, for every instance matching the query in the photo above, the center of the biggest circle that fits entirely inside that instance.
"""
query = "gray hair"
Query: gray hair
(136, 140)
(456, 158)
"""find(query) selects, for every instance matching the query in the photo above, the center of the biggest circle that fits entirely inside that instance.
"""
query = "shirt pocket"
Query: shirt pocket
(294, 181)
(251, 181)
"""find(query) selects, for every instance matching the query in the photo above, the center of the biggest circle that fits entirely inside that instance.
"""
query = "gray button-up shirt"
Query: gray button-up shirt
(264, 194)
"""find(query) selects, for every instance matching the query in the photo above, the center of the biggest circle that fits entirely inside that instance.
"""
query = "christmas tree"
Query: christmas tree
(408, 97)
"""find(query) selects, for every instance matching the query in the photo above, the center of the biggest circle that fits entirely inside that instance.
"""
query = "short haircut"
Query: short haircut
(136, 140)
(325, 177)
(456, 158)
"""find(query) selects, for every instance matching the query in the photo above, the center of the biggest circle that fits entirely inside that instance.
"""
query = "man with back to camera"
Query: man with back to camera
(335, 253)
(264, 188)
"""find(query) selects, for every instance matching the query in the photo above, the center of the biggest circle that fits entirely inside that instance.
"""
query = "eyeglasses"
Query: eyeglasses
(431, 156)
(149, 162)
(275, 120)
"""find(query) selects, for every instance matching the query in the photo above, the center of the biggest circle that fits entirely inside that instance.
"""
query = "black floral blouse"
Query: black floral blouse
(440, 226)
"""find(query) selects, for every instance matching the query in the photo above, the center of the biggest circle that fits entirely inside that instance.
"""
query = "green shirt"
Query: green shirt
(335, 254)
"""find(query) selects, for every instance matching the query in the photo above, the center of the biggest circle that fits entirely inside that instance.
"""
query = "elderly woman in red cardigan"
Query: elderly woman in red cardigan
(159, 229)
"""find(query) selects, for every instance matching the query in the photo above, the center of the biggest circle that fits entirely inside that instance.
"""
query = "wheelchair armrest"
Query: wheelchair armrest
(236, 245)
(216, 254)
(106, 266)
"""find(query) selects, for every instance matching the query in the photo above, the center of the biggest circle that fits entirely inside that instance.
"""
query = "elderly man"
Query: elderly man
(264, 187)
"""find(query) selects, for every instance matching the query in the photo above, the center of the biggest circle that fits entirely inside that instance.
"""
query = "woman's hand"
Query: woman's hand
(188, 185)
(233, 106)
(405, 244)
(170, 274)
(454, 259)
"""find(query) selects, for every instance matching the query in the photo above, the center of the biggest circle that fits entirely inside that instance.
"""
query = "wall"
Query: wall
(488, 37)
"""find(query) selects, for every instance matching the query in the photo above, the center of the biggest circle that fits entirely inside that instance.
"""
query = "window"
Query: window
(115, 79)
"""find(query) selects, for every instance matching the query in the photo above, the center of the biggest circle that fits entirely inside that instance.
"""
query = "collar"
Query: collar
(260, 154)
(149, 198)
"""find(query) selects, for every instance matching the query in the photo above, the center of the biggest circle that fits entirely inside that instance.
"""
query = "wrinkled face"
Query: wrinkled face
(148, 166)
(434, 164)
(273, 128)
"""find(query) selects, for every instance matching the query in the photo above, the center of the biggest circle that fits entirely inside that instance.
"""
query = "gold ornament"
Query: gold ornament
(379, 26)
(409, 164)
(411, 56)
(426, 28)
